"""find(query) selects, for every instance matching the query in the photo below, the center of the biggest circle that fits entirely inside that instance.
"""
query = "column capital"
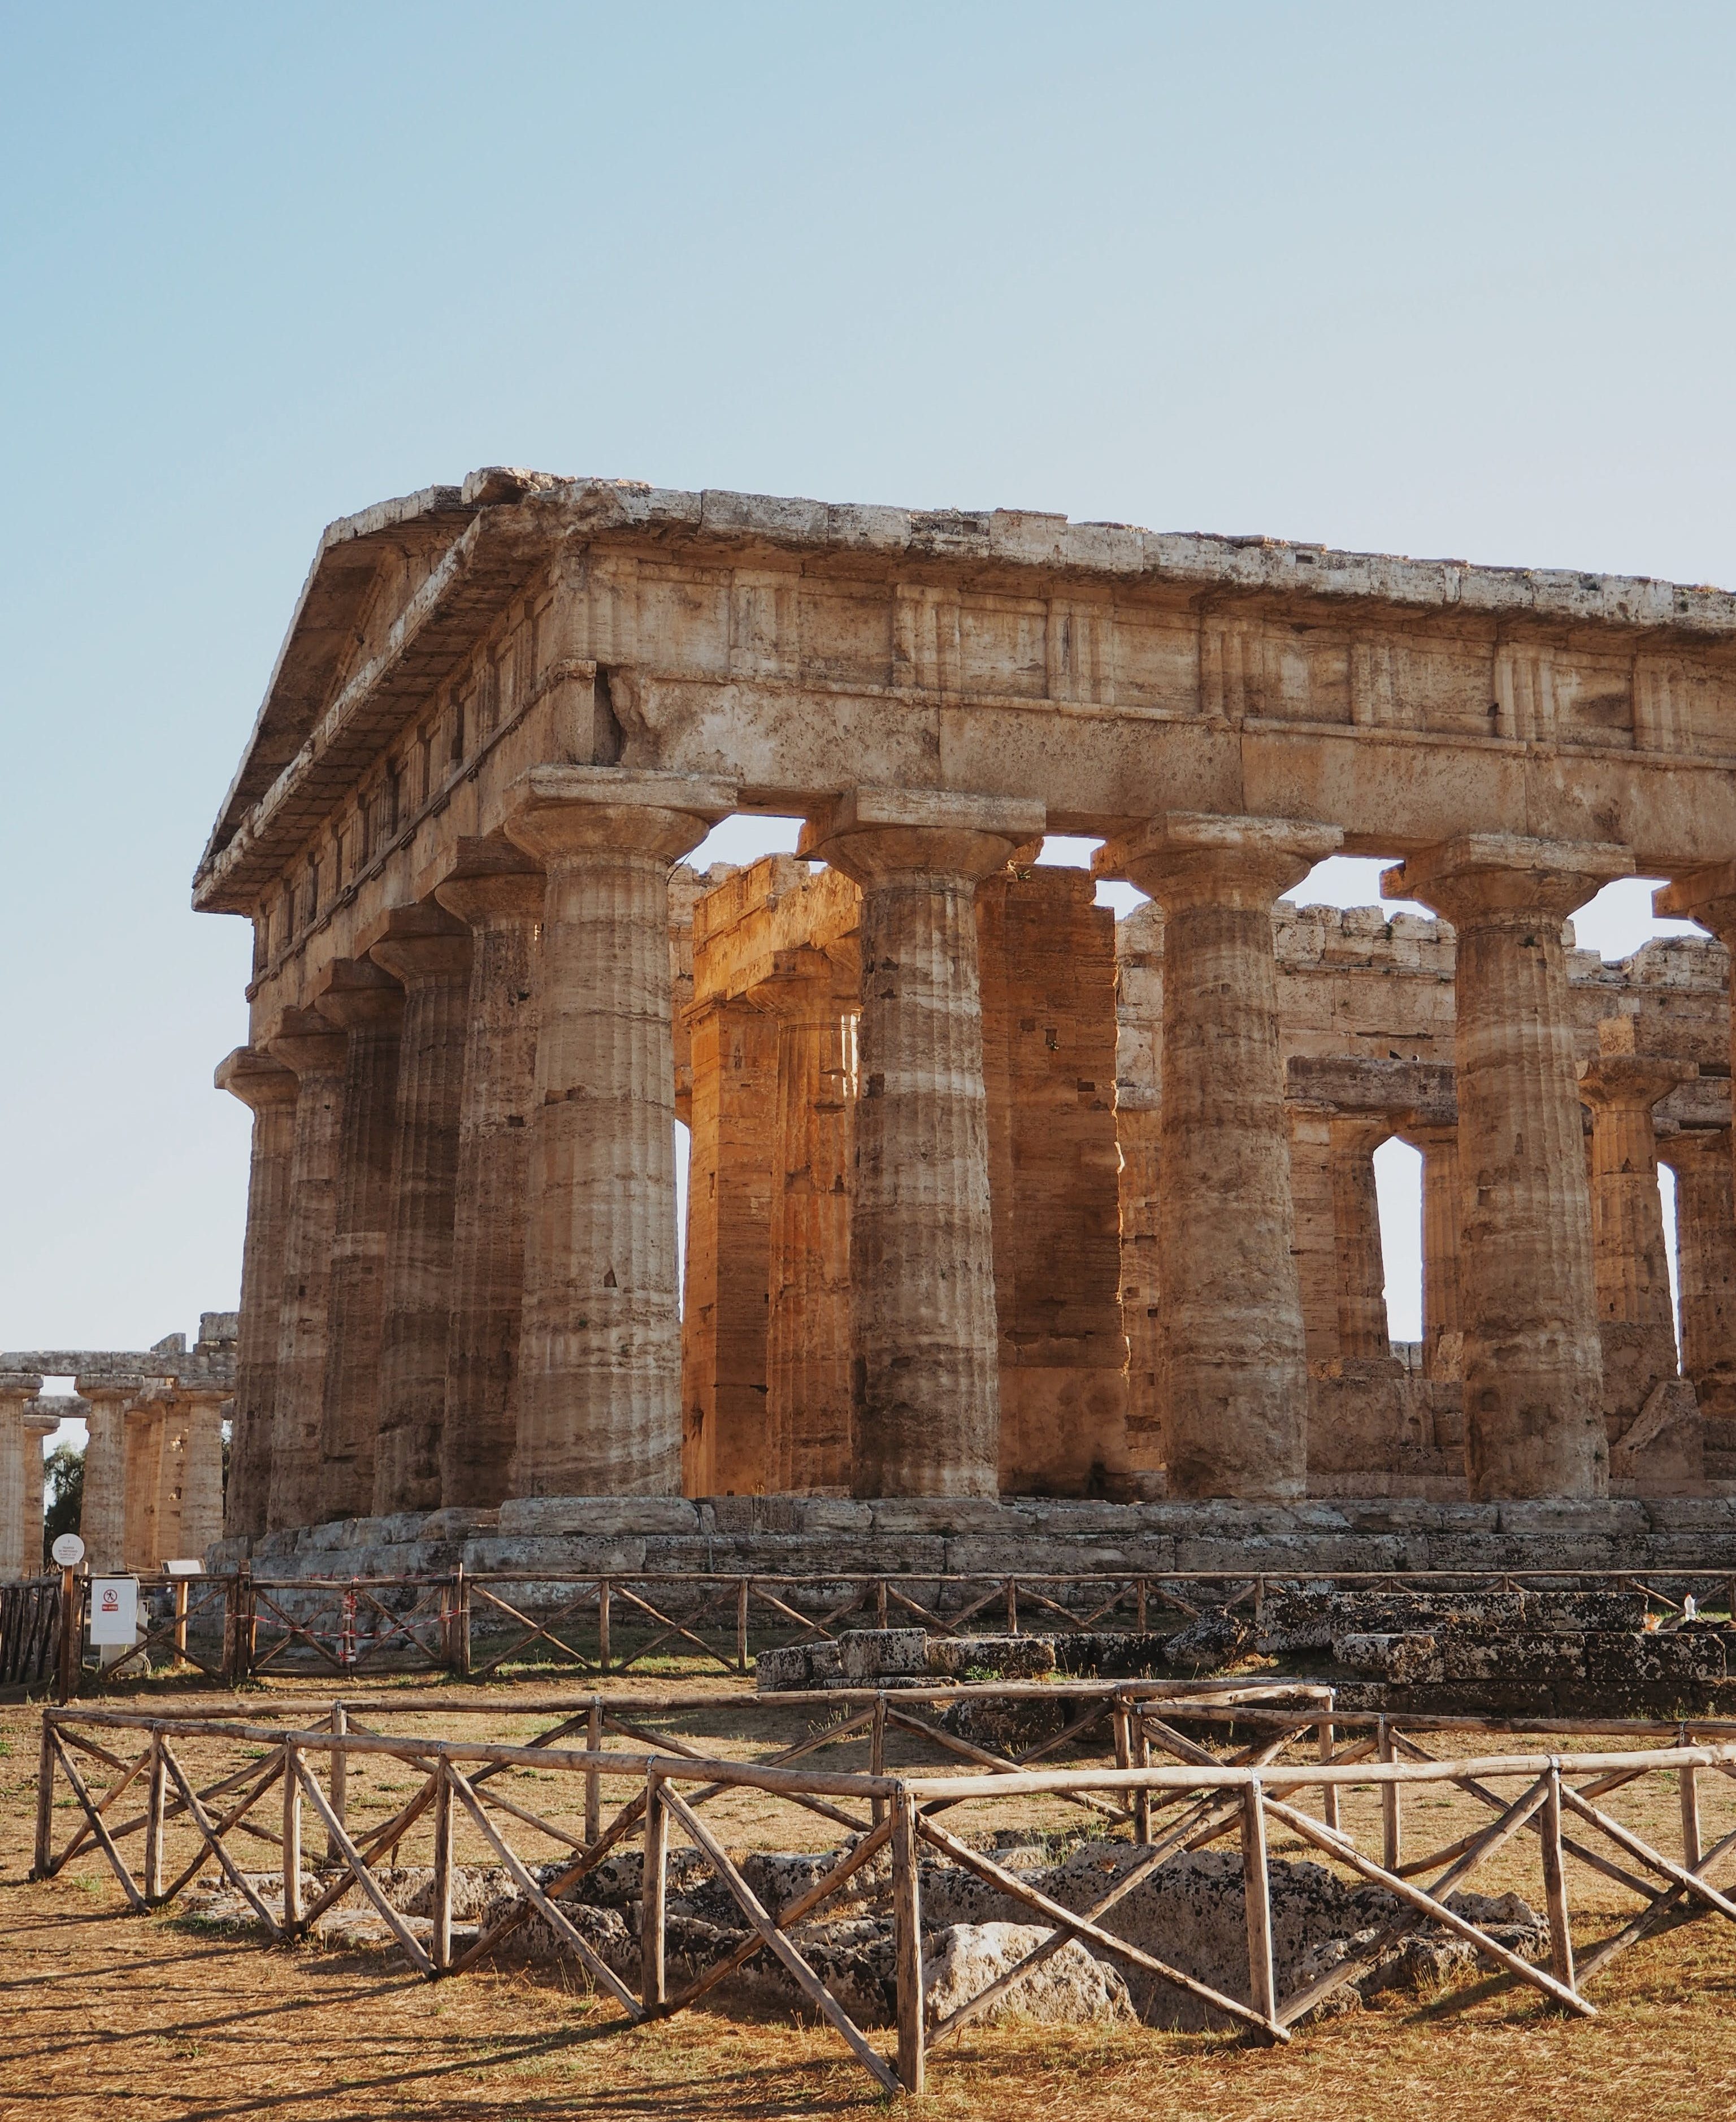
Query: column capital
(1705, 896)
(19, 1384)
(561, 814)
(420, 942)
(803, 978)
(1633, 1081)
(109, 1392)
(1506, 877)
(359, 993)
(307, 1043)
(1695, 1145)
(1189, 856)
(875, 834)
(492, 881)
(254, 1078)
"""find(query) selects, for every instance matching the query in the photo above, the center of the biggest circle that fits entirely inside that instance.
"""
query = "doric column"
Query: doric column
(429, 950)
(1442, 1217)
(1705, 1263)
(733, 1048)
(1533, 1368)
(599, 1359)
(16, 1557)
(1636, 1322)
(201, 1469)
(103, 1522)
(498, 892)
(1233, 1327)
(270, 1090)
(808, 1335)
(144, 1460)
(38, 1428)
(926, 1411)
(367, 1005)
(1362, 1295)
(317, 1053)
(171, 1470)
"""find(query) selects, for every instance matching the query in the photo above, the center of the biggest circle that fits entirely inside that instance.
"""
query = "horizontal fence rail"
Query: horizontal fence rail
(161, 1825)
(236, 1626)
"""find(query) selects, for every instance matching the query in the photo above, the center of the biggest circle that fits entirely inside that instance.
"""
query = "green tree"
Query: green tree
(62, 1488)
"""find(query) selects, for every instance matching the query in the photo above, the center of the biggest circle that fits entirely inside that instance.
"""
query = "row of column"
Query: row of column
(153, 1471)
(538, 1163)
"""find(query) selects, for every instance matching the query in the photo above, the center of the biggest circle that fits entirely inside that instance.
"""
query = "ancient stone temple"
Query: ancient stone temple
(988, 1195)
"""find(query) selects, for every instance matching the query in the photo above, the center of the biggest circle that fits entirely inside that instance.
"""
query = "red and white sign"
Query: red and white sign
(114, 1609)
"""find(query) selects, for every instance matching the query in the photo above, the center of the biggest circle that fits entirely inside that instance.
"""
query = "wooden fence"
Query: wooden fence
(1167, 1787)
(234, 1627)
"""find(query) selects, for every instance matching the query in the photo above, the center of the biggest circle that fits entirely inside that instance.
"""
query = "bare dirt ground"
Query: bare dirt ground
(107, 2013)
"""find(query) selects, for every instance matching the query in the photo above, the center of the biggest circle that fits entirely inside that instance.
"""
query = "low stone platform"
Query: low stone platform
(838, 1537)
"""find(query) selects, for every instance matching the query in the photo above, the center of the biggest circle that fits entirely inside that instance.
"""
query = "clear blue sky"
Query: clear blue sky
(1442, 281)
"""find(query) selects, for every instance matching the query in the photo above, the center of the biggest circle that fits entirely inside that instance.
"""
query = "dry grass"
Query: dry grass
(105, 2013)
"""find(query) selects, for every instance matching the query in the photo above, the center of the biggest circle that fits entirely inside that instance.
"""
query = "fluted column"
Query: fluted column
(171, 1469)
(17, 1560)
(1362, 1294)
(733, 1047)
(270, 1090)
(103, 1519)
(38, 1428)
(1442, 1217)
(1533, 1366)
(600, 1362)
(1705, 1263)
(1636, 1322)
(926, 1399)
(317, 1053)
(807, 1336)
(498, 892)
(1232, 1326)
(144, 1464)
(367, 1005)
(429, 950)
(201, 1471)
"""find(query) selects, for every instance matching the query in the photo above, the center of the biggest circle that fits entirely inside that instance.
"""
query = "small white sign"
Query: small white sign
(68, 1550)
(114, 1609)
(184, 1569)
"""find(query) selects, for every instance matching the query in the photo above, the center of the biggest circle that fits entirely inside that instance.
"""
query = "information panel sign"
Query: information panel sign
(114, 1610)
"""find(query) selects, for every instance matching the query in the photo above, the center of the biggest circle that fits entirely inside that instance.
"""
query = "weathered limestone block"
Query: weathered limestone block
(498, 891)
(927, 1411)
(428, 951)
(1362, 1294)
(1532, 1367)
(368, 1006)
(1442, 1215)
(1234, 1350)
(317, 1053)
(1048, 972)
(1068, 1988)
(269, 1090)
(1663, 1450)
(807, 1337)
(1706, 1240)
(600, 1348)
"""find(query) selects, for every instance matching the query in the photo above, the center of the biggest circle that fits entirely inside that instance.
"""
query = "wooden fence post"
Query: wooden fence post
(1012, 1606)
(741, 1626)
(593, 1776)
(876, 1756)
(1141, 1797)
(1555, 1882)
(603, 1625)
(157, 1791)
(68, 1660)
(1687, 1782)
(44, 1802)
(293, 1907)
(1328, 1791)
(457, 1629)
(653, 1885)
(1256, 1887)
(1391, 1822)
(339, 1784)
(182, 1586)
(880, 1602)
(440, 1945)
(907, 1942)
